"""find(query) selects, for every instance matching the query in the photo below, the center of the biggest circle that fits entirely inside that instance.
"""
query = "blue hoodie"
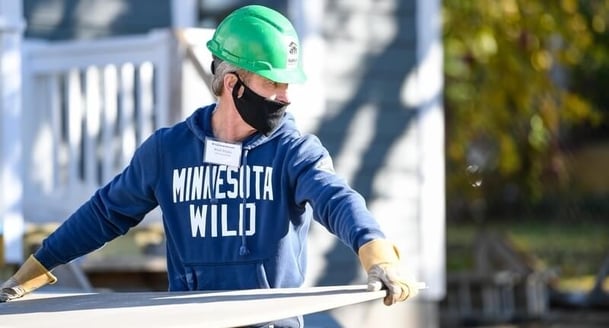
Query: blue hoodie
(226, 228)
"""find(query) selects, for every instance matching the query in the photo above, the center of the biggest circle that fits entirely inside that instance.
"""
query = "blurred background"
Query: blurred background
(476, 130)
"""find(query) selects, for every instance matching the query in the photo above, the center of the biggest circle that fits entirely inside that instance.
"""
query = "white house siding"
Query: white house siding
(383, 124)
(88, 19)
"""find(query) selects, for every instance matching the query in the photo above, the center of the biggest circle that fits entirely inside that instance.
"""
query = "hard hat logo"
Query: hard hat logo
(292, 57)
(260, 40)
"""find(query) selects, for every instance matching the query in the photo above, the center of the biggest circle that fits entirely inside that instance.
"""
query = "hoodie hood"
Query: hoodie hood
(200, 124)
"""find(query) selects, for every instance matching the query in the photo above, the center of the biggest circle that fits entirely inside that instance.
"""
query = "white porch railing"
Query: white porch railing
(88, 105)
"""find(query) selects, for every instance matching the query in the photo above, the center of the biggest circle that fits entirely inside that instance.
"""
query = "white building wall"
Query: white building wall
(383, 122)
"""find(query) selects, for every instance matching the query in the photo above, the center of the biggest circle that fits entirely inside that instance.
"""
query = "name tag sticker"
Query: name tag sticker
(222, 153)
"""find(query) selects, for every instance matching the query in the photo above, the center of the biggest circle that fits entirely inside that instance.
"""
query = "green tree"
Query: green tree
(509, 95)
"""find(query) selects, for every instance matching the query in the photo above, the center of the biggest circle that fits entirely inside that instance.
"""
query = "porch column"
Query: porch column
(11, 184)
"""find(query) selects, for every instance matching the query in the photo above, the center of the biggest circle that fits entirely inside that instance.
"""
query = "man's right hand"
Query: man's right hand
(30, 276)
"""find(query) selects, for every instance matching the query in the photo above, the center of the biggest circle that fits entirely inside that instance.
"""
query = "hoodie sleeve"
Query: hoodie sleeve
(338, 207)
(110, 212)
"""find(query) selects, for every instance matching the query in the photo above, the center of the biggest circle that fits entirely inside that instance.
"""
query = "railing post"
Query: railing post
(11, 175)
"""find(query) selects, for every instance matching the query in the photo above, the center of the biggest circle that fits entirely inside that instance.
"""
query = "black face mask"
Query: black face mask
(260, 113)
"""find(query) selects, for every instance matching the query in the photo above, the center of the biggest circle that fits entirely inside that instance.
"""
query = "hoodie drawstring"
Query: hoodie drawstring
(243, 250)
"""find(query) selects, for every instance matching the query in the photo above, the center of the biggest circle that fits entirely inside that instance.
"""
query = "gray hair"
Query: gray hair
(221, 68)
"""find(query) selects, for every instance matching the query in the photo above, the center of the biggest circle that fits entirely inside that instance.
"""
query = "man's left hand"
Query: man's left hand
(381, 260)
(398, 288)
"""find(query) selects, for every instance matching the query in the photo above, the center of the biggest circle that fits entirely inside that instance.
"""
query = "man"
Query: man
(237, 183)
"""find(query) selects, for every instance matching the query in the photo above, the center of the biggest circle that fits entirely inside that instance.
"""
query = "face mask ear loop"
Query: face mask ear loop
(237, 86)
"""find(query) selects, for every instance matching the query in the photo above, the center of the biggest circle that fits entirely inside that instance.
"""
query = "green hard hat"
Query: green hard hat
(260, 40)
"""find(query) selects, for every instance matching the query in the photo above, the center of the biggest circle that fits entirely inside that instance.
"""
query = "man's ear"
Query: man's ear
(230, 81)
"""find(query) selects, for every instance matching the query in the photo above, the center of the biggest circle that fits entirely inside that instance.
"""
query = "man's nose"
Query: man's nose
(282, 93)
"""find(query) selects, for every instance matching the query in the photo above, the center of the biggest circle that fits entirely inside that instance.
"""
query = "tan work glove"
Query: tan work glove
(30, 276)
(380, 258)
